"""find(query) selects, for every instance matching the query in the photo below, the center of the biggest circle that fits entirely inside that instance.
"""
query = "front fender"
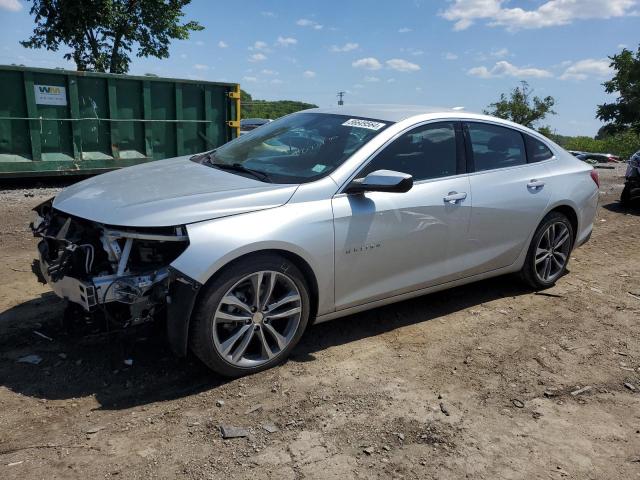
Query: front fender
(304, 229)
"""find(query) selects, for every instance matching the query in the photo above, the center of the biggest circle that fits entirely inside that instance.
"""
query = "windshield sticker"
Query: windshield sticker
(368, 124)
(319, 168)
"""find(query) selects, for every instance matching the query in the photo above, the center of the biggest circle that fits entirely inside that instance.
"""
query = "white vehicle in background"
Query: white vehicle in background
(312, 217)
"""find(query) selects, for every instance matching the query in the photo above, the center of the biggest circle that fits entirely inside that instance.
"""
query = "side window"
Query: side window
(536, 150)
(495, 147)
(425, 152)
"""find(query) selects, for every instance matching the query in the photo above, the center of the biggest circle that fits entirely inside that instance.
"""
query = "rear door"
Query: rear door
(392, 243)
(509, 183)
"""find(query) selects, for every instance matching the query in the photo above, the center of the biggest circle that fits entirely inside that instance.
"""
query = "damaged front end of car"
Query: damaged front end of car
(122, 274)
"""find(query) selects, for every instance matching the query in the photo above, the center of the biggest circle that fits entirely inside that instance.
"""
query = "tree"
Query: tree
(102, 33)
(520, 108)
(624, 113)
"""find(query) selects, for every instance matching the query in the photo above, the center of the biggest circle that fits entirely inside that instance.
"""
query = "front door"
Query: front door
(391, 243)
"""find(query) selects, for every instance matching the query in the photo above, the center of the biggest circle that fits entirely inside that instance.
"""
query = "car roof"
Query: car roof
(389, 113)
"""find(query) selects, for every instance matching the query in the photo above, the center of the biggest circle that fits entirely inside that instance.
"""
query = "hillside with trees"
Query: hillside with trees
(252, 108)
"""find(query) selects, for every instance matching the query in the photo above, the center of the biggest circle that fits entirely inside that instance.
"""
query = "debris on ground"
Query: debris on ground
(270, 427)
(219, 403)
(630, 386)
(254, 408)
(228, 432)
(42, 335)
(93, 430)
(31, 359)
(443, 409)
(581, 390)
(369, 450)
(517, 403)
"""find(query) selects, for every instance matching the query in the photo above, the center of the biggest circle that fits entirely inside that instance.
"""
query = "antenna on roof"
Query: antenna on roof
(340, 95)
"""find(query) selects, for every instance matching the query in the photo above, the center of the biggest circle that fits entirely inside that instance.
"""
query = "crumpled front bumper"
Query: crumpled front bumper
(69, 288)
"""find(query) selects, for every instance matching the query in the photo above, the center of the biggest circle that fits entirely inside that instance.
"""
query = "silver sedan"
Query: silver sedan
(314, 216)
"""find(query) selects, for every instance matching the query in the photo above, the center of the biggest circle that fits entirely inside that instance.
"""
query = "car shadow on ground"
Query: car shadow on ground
(617, 207)
(73, 367)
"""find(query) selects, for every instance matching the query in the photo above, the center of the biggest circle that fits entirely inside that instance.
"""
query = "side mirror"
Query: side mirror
(381, 181)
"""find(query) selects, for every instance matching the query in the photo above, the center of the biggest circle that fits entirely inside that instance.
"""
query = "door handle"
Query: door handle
(535, 184)
(454, 197)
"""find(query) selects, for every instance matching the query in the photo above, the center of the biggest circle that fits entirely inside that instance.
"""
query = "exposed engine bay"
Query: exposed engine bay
(121, 273)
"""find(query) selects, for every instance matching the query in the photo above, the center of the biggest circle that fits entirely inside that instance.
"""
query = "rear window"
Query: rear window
(495, 147)
(536, 150)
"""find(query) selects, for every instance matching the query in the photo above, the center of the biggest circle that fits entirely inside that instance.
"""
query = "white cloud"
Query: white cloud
(257, 57)
(585, 68)
(269, 72)
(268, 14)
(391, 80)
(183, 55)
(622, 45)
(309, 74)
(358, 85)
(276, 81)
(450, 56)
(200, 66)
(250, 79)
(500, 53)
(199, 43)
(368, 63)
(404, 30)
(371, 79)
(506, 69)
(305, 22)
(11, 5)
(347, 47)
(223, 44)
(286, 41)
(402, 65)
(259, 45)
(551, 13)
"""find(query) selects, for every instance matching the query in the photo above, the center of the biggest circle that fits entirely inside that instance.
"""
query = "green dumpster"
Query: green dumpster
(59, 122)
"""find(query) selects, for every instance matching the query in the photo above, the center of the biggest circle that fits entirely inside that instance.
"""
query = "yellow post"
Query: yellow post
(236, 123)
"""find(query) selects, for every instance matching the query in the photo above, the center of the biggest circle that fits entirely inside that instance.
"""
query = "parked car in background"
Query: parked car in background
(315, 216)
(248, 124)
(600, 157)
(631, 190)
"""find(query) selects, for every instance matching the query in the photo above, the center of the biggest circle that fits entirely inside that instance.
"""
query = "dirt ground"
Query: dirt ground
(475, 382)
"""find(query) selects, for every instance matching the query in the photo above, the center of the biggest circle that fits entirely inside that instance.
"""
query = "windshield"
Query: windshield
(298, 148)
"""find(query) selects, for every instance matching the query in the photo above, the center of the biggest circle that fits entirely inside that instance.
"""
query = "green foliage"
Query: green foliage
(102, 33)
(520, 108)
(269, 109)
(623, 144)
(624, 113)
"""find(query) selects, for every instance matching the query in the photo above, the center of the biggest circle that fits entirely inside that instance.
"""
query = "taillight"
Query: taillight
(595, 177)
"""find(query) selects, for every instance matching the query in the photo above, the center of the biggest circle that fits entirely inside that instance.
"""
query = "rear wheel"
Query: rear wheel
(549, 251)
(250, 318)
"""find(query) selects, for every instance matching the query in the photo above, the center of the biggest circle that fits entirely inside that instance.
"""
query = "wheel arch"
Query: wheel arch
(179, 326)
(569, 212)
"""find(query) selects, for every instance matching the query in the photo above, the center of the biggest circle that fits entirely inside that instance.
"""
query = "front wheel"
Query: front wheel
(250, 318)
(549, 252)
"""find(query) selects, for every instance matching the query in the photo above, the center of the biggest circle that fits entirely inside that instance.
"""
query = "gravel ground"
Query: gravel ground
(486, 381)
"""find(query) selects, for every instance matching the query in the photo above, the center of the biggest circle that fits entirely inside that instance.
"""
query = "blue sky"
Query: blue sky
(444, 53)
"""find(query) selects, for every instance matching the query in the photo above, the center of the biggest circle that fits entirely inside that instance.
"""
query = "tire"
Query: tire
(555, 257)
(233, 332)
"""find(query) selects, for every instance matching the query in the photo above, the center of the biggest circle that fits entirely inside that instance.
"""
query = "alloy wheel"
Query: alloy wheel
(552, 252)
(257, 318)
